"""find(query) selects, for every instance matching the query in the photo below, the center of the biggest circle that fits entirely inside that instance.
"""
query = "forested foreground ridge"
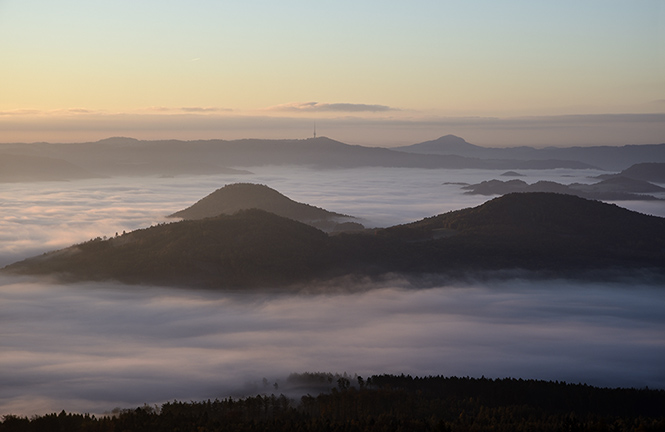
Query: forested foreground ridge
(542, 232)
(387, 403)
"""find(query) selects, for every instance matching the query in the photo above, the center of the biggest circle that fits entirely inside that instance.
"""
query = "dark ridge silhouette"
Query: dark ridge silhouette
(242, 196)
(543, 232)
(538, 231)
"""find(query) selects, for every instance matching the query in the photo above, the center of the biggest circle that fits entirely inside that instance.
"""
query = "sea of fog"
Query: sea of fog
(93, 347)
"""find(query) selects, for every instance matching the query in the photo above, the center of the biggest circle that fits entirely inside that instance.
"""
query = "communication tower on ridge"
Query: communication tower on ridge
(314, 129)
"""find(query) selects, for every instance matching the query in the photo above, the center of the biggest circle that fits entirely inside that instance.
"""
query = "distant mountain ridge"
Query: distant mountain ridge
(605, 157)
(561, 234)
(127, 156)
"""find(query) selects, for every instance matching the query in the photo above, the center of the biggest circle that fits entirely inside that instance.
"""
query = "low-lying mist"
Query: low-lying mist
(94, 347)
(39, 217)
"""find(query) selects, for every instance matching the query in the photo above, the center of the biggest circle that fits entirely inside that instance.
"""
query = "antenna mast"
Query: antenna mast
(314, 128)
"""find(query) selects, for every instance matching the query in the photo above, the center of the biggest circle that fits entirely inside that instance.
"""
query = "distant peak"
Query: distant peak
(451, 137)
(118, 140)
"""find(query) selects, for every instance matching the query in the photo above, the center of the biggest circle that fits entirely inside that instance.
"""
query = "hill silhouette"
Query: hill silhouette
(242, 196)
(249, 248)
(448, 144)
(562, 235)
(613, 188)
(647, 171)
(544, 231)
(128, 156)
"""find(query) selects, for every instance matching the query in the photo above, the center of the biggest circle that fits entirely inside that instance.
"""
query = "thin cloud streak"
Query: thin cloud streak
(329, 107)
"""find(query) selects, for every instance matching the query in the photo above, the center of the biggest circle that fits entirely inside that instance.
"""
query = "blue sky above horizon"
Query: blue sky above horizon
(79, 63)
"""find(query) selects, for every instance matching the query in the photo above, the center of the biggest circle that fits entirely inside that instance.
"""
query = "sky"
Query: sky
(371, 72)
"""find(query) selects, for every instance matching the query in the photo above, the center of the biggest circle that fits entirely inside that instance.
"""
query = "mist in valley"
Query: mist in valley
(91, 347)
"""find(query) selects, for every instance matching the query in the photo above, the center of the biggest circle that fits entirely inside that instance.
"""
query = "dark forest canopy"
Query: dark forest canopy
(388, 403)
(541, 232)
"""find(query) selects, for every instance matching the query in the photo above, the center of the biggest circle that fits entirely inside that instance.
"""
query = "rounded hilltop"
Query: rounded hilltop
(235, 197)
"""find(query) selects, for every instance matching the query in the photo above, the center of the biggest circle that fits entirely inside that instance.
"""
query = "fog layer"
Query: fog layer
(95, 347)
(39, 217)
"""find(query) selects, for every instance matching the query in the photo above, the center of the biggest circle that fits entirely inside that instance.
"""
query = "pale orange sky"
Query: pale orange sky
(378, 73)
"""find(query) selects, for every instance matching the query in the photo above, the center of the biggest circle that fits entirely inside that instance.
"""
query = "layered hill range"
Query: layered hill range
(634, 183)
(553, 234)
(243, 196)
(131, 157)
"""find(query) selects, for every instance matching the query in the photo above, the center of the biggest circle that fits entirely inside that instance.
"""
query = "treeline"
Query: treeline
(388, 403)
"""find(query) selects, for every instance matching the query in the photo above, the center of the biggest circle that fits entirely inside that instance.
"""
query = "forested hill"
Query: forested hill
(540, 231)
(548, 232)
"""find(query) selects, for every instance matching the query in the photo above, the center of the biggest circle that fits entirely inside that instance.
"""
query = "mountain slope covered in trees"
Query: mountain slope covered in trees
(253, 248)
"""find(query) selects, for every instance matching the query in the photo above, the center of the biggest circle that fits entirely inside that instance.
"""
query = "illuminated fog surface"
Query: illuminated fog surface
(94, 347)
